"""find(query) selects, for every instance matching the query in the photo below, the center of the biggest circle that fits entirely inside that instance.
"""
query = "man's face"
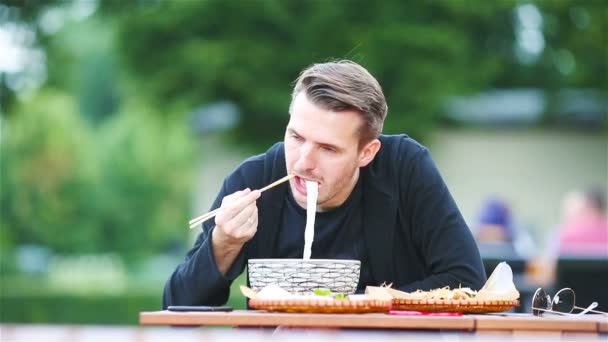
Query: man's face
(322, 146)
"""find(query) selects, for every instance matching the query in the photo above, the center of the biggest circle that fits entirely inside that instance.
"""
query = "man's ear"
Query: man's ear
(368, 152)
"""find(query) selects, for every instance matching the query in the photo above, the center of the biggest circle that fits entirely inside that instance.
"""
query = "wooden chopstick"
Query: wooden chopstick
(277, 182)
(205, 217)
(200, 219)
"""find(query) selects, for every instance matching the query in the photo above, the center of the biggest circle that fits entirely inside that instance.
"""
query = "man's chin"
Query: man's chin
(302, 201)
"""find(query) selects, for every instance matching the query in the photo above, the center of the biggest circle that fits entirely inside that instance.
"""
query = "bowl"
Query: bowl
(300, 276)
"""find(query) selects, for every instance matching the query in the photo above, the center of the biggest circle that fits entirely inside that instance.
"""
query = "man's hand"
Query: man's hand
(235, 224)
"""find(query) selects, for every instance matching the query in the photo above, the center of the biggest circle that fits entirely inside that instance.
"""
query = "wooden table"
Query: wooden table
(588, 325)
(603, 326)
(245, 318)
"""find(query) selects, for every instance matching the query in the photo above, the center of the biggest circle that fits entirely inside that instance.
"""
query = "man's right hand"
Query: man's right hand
(235, 224)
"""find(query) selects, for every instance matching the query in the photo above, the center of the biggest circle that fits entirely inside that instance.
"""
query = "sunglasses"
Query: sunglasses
(563, 303)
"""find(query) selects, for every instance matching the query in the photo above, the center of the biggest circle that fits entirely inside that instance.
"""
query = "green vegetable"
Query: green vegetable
(327, 292)
(322, 292)
(340, 295)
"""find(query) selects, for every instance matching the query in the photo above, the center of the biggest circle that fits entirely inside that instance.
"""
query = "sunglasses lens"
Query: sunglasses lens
(563, 301)
(539, 301)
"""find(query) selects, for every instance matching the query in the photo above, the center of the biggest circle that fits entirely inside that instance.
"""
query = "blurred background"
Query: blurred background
(119, 120)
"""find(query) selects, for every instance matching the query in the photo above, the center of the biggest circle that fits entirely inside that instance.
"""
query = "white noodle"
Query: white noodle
(312, 192)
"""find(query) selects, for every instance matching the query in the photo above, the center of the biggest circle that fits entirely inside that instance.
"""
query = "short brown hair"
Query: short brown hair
(345, 85)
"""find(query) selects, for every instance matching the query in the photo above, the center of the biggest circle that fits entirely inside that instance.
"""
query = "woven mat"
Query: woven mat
(321, 306)
(446, 305)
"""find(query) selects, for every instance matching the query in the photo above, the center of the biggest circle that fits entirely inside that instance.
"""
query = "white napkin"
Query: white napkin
(500, 285)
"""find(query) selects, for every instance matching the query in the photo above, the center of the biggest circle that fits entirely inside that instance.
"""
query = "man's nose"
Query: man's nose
(306, 160)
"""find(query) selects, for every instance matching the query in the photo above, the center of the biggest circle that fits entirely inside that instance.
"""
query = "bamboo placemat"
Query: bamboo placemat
(447, 305)
(311, 305)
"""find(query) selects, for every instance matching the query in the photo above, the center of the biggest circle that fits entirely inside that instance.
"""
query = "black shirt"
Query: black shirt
(338, 233)
(414, 235)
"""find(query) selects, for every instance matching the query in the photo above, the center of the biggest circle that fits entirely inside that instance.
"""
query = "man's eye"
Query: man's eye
(329, 149)
(297, 137)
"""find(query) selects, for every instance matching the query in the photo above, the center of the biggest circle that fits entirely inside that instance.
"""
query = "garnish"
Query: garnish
(327, 293)
(322, 292)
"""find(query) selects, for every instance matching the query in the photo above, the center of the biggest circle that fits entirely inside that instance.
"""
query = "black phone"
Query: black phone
(204, 308)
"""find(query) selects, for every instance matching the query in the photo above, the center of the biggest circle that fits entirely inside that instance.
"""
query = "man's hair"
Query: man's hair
(345, 85)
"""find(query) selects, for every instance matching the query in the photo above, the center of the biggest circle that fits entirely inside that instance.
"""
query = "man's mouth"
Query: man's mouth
(300, 184)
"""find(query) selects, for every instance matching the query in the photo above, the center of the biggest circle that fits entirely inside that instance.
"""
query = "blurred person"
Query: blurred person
(381, 199)
(581, 261)
(584, 228)
(582, 232)
(494, 227)
(500, 239)
(496, 233)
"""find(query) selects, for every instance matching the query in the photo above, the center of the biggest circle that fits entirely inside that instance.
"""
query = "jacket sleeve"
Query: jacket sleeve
(442, 238)
(197, 281)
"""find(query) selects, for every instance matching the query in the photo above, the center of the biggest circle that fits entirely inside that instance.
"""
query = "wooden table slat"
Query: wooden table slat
(533, 323)
(257, 318)
(249, 318)
(603, 325)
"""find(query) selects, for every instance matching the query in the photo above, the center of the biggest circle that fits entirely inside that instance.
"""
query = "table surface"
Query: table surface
(147, 333)
(252, 318)
(262, 318)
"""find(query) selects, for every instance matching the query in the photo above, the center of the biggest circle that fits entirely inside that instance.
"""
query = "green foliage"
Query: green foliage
(46, 174)
(31, 302)
(90, 309)
(122, 187)
(236, 299)
(70, 309)
(182, 54)
(251, 52)
(100, 160)
(84, 63)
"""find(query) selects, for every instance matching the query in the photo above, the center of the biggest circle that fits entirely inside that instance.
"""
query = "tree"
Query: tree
(251, 52)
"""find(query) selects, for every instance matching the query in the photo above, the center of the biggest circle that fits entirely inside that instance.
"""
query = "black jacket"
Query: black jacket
(415, 235)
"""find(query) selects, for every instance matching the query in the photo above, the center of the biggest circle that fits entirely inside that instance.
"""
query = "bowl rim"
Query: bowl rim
(292, 260)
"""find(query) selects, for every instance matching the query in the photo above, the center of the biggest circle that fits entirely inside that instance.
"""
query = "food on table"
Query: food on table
(498, 287)
(320, 300)
(276, 292)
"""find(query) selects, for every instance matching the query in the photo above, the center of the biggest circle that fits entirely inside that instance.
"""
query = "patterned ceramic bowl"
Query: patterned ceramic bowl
(299, 275)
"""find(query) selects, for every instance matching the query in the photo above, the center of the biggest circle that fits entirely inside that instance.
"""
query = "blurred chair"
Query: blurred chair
(587, 276)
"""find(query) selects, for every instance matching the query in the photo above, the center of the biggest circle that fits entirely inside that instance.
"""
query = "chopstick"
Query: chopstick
(200, 219)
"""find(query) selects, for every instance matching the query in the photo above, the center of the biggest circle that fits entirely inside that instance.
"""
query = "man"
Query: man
(381, 200)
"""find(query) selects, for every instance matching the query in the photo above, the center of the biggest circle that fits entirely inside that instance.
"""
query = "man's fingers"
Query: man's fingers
(229, 208)
(247, 198)
(241, 227)
(233, 206)
(235, 195)
(250, 226)
(244, 216)
(254, 216)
